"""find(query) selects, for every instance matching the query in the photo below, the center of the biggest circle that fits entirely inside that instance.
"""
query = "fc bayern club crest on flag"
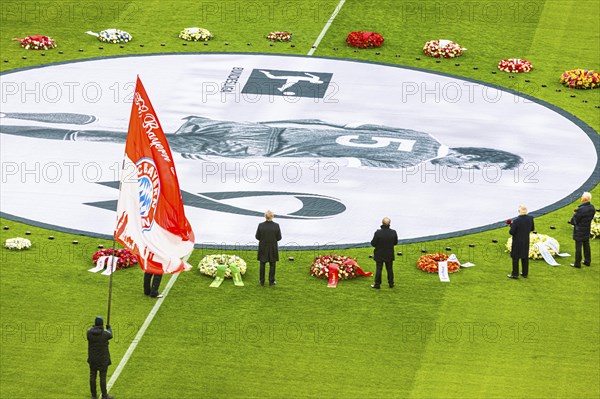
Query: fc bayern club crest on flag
(149, 186)
(151, 219)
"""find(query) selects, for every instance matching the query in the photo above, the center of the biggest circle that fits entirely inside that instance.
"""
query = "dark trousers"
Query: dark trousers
(93, 372)
(587, 254)
(271, 272)
(151, 284)
(524, 266)
(389, 270)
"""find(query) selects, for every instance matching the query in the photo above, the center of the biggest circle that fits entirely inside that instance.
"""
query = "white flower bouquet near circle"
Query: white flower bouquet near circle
(534, 252)
(208, 265)
(595, 228)
(443, 48)
(113, 36)
(195, 34)
(17, 243)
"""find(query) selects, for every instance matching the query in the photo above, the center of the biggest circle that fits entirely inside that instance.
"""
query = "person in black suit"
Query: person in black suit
(582, 223)
(384, 240)
(520, 229)
(268, 234)
(99, 356)
(151, 284)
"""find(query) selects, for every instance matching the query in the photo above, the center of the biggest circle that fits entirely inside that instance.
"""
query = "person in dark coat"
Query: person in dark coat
(384, 241)
(99, 356)
(520, 229)
(582, 223)
(151, 284)
(268, 234)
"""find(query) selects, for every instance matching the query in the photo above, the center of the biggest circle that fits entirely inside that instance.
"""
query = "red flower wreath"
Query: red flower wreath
(37, 42)
(364, 39)
(515, 65)
(125, 257)
(443, 49)
(429, 263)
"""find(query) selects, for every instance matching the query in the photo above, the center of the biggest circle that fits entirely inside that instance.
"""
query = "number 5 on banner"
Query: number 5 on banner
(379, 142)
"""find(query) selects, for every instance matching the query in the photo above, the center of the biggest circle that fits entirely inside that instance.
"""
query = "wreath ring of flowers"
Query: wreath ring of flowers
(364, 39)
(348, 267)
(125, 258)
(208, 265)
(595, 227)
(580, 79)
(429, 263)
(443, 48)
(17, 243)
(534, 238)
(278, 36)
(515, 65)
(195, 34)
(37, 42)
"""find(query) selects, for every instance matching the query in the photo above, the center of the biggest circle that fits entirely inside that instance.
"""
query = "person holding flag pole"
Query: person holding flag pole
(151, 222)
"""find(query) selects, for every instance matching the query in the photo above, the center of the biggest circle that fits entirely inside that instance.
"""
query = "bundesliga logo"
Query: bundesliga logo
(149, 190)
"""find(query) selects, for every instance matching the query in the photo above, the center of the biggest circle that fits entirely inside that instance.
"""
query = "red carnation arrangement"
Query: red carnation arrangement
(515, 65)
(125, 258)
(429, 263)
(364, 39)
(37, 42)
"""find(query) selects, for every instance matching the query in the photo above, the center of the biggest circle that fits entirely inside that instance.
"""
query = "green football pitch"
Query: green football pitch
(480, 336)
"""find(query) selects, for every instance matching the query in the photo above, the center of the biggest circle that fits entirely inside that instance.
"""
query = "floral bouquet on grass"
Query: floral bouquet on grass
(595, 231)
(279, 36)
(17, 243)
(37, 42)
(534, 253)
(443, 49)
(429, 263)
(125, 258)
(580, 79)
(515, 65)
(347, 267)
(208, 265)
(113, 36)
(195, 34)
(364, 39)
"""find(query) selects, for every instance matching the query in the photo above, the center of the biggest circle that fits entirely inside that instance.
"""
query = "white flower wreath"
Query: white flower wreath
(17, 243)
(113, 36)
(208, 264)
(195, 34)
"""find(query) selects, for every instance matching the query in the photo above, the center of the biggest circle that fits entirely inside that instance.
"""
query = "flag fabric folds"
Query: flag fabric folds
(150, 217)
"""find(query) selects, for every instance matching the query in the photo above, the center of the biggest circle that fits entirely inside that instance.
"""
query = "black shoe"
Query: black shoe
(523, 275)
(391, 285)
(273, 283)
(375, 286)
(511, 276)
(108, 397)
(575, 266)
(587, 263)
(262, 284)
(157, 296)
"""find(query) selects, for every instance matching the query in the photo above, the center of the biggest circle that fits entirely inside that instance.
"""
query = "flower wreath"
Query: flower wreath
(580, 79)
(17, 243)
(208, 264)
(595, 230)
(125, 258)
(279, 36)
(534, 238)
(37, 42)
(113, 36)
(364, 39)
(429, 263)
(442, 49)
(347, 267)
(195, 34)
(515, 65)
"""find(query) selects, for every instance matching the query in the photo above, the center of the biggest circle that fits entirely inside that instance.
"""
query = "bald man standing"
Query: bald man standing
(384, 241)
(582, 221)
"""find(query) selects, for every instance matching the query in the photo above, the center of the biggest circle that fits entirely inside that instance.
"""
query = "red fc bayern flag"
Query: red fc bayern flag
(151, 221)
